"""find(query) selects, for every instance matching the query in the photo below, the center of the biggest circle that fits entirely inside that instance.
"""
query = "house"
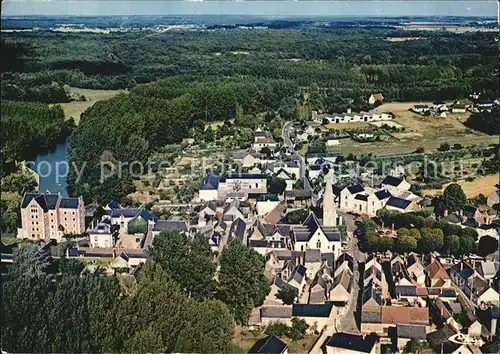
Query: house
(261, 142)
(437, 275)
(350, 117)
(266, 203)
(298, 198)
(269, 345)
(46, 216)
(298, 278)
(169, 225)
(408, 332)
(415, 269)
(420, 108)
(239, 185)
(311, 235)
(395, 184)
(484, 105)
(458, 108)
(248, 158)
(132, 221)
(273, 314)
(276, 260)
(473, 284)
(237, 230)
(475, 94)
(392, 316)
(375, 97)
(207, 213)
(346, 343)
(399, 204)
(103, 234)
(319, 315)
(287, 177)
(209, 187)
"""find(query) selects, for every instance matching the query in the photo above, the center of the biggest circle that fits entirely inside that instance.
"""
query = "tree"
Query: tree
(415, 346)
(287, 294)
(467, 245)
(317, 147)
(405, 243)
(209, 135)
(452, 244)
(385, 243)
(276, 185)
(454, 197)
(144, 341)
(444, 147)
(242, 285)
(432, 240)
(173, 249)
(297, 216)
(298, 329)
(487, 245)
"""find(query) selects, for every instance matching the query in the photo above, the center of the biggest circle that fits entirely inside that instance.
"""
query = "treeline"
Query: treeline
(68, 313)
(438, 66)
(174, 306)
(419, 233)
(129, 127)
(29, 129)
(486, 122)
(28, 88)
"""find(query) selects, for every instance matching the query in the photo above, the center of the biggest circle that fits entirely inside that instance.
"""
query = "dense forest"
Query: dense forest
(179, 80)
(173, 306)
(29, 128)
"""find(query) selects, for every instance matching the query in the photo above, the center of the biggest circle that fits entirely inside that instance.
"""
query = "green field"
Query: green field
(76, 108)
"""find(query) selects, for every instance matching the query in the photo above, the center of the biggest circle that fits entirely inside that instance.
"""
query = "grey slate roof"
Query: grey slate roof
(312, 310)
(210, 182)
(276, 311)
(268, 345)
(398, 203)
(69, 203)
(392, 181)
(411, 331)
(304, 232)
(361, 344)
(175, 225)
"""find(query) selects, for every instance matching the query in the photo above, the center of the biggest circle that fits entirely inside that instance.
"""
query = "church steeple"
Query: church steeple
(329, 208)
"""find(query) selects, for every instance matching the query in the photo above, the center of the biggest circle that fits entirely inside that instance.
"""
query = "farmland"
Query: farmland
(483, 185)
(427, 132)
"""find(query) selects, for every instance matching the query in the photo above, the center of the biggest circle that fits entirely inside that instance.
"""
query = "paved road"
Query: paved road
(348, 322)
(288, 143)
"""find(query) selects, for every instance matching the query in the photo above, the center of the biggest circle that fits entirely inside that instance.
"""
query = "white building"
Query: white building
(238, 186)
(311, 235)
(102, 236)
(395, 185)
(358, 117)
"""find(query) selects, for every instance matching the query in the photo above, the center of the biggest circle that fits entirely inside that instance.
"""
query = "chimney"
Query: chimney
(493, 328)
(445, 212)
(349, 110)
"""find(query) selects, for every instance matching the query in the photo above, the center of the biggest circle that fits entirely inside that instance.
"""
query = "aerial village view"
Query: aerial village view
(240, 183)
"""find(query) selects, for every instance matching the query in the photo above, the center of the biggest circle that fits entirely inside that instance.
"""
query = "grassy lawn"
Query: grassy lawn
(483, 185)
(76, 108)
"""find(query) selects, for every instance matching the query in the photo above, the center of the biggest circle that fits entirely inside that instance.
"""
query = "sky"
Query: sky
(265, 8)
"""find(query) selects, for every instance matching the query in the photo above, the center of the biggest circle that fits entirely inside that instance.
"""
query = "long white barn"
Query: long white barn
(356, 117)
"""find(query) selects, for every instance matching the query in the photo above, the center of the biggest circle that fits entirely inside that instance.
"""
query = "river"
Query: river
(52, 167)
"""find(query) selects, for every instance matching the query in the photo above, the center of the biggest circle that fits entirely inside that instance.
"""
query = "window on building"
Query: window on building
(318, 244)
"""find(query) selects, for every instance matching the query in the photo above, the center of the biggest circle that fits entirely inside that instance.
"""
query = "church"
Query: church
(313, 234)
